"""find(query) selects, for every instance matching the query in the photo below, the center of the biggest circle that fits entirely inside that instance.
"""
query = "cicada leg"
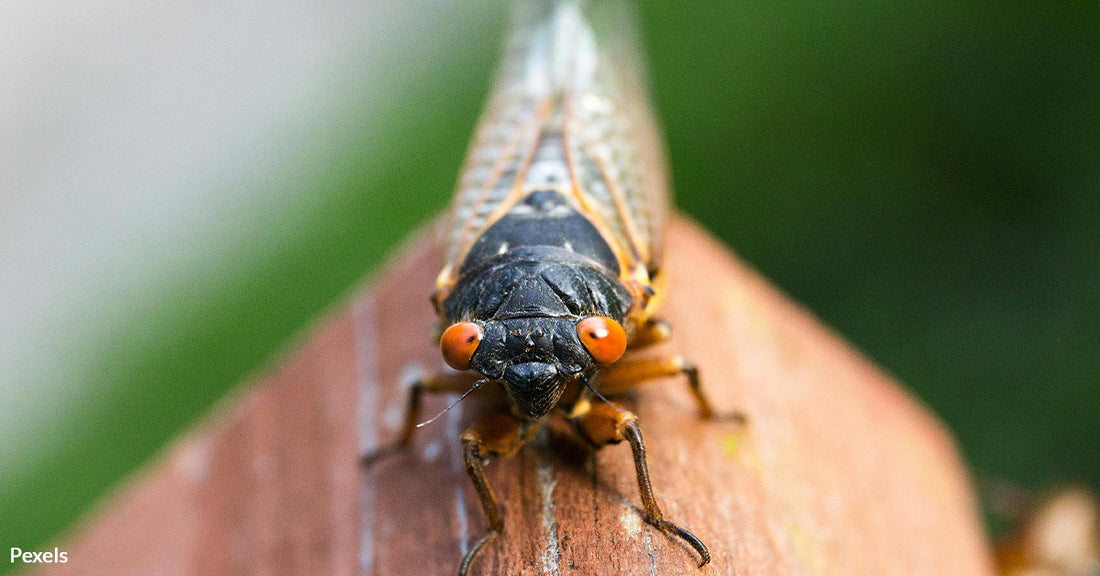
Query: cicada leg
(442, 383)
(626, 374)
(605, 424)
(652, 331)
(495, 434)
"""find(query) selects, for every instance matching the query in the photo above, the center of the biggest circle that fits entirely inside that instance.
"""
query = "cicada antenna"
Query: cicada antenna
(589, 385)
(476, 385)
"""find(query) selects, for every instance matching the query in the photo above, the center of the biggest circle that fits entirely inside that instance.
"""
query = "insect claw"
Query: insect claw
(674, 530)
(464, 568)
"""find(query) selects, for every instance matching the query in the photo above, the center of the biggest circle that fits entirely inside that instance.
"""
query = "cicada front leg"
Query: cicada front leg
(651, 331)
(495, 434)
(626, 374)
(604, 424)
(442, 383)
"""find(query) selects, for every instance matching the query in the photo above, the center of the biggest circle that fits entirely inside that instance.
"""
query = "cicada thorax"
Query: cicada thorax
(528, 283)
(550, 196)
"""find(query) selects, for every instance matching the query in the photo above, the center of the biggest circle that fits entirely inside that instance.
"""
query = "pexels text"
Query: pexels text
(54, 557)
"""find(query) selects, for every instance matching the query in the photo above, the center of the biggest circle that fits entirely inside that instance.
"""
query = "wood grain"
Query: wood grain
(839, 470)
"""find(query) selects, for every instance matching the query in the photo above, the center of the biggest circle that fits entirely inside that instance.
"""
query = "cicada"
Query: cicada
(554, 255)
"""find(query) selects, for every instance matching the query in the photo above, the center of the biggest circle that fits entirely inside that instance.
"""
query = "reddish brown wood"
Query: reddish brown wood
(839, 471)
(269, 486)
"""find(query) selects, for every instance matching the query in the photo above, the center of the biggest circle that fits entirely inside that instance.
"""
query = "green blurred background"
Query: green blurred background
(925, 176)
(922, 175)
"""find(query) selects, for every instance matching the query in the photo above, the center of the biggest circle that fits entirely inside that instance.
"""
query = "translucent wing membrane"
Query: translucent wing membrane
(568, 113)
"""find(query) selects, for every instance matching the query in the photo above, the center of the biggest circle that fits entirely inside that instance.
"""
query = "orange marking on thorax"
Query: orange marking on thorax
(593, 215)
(640, 250)
(468, 238)
(518, 192)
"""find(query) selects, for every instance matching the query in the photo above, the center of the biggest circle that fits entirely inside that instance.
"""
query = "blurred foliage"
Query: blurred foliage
(922, 175)
(243, 251)
(925, 176)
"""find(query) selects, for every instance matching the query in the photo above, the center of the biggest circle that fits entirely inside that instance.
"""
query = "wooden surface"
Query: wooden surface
(839, 470)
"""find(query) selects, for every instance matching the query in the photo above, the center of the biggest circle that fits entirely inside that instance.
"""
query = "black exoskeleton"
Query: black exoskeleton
(527, 281)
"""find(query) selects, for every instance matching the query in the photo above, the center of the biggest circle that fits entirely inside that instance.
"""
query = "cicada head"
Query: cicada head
(534, 358)
(536, 325)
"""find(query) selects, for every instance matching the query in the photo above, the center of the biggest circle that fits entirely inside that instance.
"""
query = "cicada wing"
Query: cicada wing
(615, 145)
(502, 145)
(568, 112)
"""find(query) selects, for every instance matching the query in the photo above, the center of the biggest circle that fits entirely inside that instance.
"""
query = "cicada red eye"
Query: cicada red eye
(458, 344)
(604, 338)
